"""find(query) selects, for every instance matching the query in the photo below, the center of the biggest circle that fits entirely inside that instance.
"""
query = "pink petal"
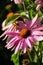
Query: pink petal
(18, 46)
(4, 33)
(3, 24)
(38, 28)
(21, 24)
(27, 22)
(24, 46)
(10, 45)
(6, 27)
(12, 33)
(38, 7)
(38, 1)
(32, 40)
(14, 29)
(13, 39)
(9, 29)
(18, 1)
(35, 21)
(13, 44)
(38, 38)
(28, 43)
(9, 38)
(5, 37)
(37, 33)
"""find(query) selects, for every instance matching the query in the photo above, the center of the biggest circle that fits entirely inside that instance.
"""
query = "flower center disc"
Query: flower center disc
(25, 33)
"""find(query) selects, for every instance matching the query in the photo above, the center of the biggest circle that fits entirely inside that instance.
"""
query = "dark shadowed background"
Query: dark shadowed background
(5, 55)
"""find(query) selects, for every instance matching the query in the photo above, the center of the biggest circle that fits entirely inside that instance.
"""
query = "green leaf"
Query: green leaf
(11, 19)
(15, 58)
(31, 14)
(40, 13)
(36, 46)
(33, 56)
(42, 56)
(20, 7)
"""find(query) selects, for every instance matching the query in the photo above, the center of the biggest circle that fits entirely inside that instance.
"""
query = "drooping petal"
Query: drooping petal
(5, 37)
(14, 42)
(9, 38)
(6, 27)
(13, 39)
(9, 29)
(4, 33)
(3, 24)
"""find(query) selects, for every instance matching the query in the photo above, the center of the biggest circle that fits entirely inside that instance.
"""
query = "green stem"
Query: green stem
(24, 6)
(30, 57)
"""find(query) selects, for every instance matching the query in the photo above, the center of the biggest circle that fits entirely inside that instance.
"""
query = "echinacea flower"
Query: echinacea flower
(18, 1)
(39, 4)
(26, 34)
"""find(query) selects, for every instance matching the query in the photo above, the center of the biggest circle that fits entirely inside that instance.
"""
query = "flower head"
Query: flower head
(25, 35)
(39, 4)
